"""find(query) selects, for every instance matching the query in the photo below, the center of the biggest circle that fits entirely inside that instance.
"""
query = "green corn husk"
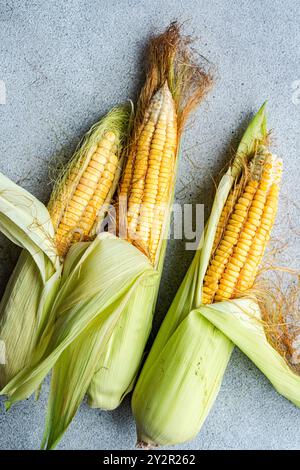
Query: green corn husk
(86, 309)
(107, 286)
(183, 372)
(84, 354)
(111, 380)
(25, 306)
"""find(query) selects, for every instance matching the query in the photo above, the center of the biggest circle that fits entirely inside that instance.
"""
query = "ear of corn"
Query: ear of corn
(25, 306)
(183, 372)
(147, 187)
(245, 231)
(88, 184)
(174, 85)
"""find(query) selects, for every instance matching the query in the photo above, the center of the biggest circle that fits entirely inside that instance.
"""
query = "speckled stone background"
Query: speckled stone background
(64, 64)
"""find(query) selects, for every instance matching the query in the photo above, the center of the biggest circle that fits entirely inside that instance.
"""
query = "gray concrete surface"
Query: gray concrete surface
(66, 63)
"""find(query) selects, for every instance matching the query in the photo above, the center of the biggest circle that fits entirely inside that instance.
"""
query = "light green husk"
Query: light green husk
(115, 376)
(183, 372)
(241, 322)
(86, 309)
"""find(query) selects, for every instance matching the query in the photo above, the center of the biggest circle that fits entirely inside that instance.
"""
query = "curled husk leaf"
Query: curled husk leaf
(24, 307)
(242, 322)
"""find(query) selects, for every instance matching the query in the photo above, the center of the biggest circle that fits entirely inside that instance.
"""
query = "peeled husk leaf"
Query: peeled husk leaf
(241, 321)
(183, 372)
(119, 363)
(26, 222)
(24, 311)
(25, 304)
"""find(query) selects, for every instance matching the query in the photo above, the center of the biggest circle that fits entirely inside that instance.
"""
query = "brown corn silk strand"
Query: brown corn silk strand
(279, 303)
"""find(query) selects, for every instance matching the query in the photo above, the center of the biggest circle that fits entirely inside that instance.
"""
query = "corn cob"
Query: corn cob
(88, 184)
(174, 85)
(149, 173)
(183, 372)
(146, 187)
(237, 255)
